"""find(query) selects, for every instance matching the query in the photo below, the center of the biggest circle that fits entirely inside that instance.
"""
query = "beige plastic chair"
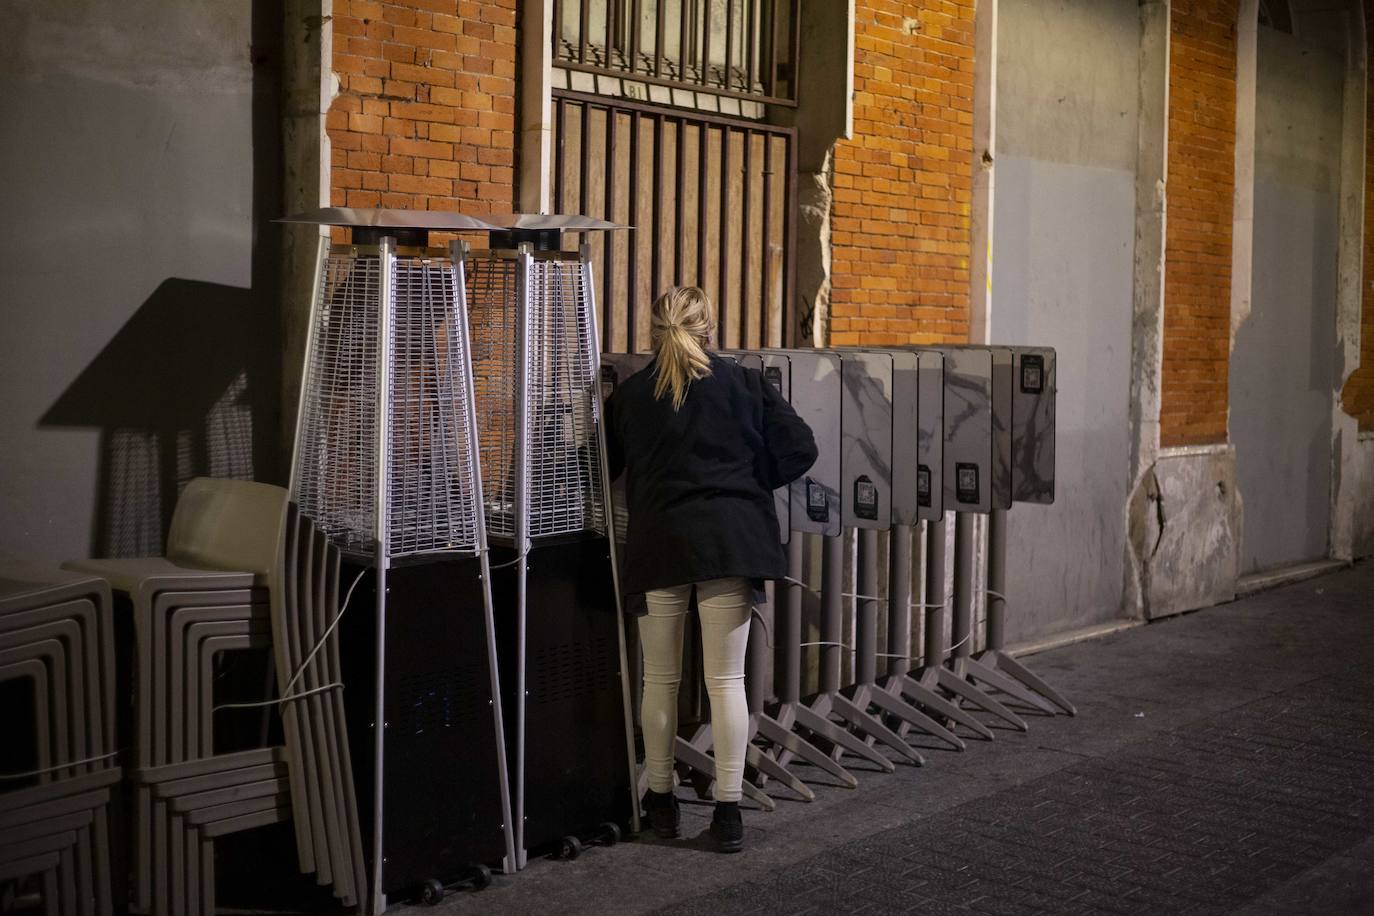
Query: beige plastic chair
(55, 630)
(233, 544)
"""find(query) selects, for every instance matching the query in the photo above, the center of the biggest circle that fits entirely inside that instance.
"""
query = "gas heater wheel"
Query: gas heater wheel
(432, 892)
(608, 834)
(481, 878)
(569, 848)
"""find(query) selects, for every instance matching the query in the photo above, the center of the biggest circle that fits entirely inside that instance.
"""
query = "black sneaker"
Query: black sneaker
(727, 827)
(661, 811)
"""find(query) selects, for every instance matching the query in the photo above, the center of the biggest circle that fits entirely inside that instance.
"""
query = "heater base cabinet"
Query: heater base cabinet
(577, 774)
(441, 800)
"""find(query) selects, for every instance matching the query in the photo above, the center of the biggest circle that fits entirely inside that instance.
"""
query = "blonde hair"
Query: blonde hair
(679, 329)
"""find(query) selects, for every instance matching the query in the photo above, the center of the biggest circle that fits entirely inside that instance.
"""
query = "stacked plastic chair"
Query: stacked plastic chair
(55, 632)
(243, 571)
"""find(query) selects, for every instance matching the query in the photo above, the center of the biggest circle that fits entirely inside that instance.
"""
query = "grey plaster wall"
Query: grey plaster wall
(1282, 363)
(1064, 224)
(1067, 81)
(136, 351)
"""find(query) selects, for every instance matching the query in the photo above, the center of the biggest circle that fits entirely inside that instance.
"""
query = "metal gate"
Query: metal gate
(738, 49)
(713, 200)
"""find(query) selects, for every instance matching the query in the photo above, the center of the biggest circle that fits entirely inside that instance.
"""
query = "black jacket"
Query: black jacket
(700, 480)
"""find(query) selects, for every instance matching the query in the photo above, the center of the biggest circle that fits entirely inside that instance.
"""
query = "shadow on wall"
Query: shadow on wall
(189, 386)
(186, 388)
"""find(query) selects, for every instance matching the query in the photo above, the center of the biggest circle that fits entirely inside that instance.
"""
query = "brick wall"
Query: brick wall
(903, 184)
(1358, 396)
(425, 115)
(1197, 248)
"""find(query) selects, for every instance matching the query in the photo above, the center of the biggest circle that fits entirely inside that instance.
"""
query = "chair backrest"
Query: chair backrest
(229, 524)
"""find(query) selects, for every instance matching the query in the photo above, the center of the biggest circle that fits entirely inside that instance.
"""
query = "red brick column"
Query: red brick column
(425, 115)
(903, 184)
(1197, 246)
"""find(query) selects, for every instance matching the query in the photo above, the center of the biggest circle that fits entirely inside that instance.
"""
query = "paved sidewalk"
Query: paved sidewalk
(1221, 761)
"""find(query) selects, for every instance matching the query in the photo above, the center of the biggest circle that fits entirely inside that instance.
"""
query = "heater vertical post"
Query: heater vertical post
(386, 277)
(524, 258)
(458, 251)
(608, 513)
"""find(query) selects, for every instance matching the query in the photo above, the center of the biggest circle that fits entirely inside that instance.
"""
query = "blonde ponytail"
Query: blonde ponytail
(680, 327)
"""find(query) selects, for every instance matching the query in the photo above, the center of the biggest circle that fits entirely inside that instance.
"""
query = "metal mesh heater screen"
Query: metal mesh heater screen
(431, 500)
(564, 406)
(493, 311)
(551, 376)
(428, 468)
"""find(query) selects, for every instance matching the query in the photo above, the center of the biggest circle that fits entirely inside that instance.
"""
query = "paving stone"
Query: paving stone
(1251, 772)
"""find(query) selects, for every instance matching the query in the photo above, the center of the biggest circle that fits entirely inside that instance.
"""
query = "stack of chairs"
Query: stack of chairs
(55, 809)
(243, 571)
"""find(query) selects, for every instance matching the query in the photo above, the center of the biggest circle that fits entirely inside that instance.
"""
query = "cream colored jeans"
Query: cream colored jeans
(724, 608)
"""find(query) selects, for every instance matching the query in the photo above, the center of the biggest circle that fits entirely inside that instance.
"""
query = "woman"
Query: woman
(704, 442)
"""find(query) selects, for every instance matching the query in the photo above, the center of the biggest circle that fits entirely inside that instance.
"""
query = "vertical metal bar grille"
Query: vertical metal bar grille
(428, 473)
(632, 288)
(609, 326)
(736, 54)
(718, 216)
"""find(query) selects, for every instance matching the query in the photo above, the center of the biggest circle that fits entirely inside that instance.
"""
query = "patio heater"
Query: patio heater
(536, 369)
(387, 466)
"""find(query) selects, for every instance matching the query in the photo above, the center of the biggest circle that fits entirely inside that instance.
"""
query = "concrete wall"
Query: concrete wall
(1062, 277)
(136, 353)
(1282, 363)
(1185, 523)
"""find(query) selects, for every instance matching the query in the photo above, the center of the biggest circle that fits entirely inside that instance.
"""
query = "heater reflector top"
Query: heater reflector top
(444, 221)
